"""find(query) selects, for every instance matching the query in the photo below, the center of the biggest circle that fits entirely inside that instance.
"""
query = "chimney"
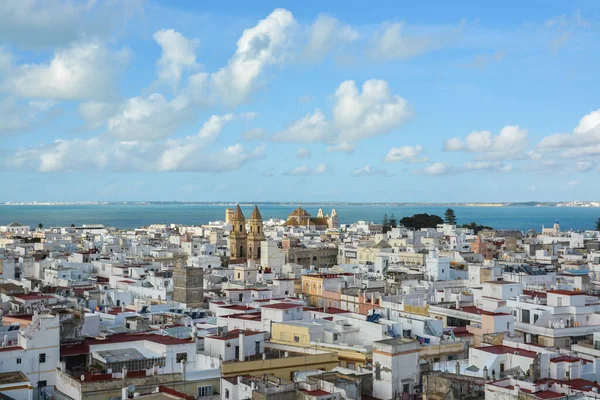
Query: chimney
(457, 368)
(124, 372)
(124, 393)
(485, 373)
(241, 339)
(183, 368)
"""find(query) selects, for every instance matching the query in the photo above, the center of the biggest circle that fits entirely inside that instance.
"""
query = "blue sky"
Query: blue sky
(288, 101)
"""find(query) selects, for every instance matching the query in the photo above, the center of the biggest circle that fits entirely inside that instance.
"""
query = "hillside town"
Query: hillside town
(299, 308)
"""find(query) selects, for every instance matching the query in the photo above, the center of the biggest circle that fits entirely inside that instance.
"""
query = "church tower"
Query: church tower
(237, 237)
(256, 235)
(333, 221)
(188, 283)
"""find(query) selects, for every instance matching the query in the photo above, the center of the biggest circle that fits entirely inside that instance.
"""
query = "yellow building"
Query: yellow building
(282, 362)
(301, 333)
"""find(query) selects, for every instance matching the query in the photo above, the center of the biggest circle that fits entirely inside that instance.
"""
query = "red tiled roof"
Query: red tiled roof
(568, 359)
(281, 306)
(2, 349)
(533, 293)
(317, 392)
(32, 297)
(546, 394)
(238, 307)
(493, 314)
(566, 292)
(501, 349)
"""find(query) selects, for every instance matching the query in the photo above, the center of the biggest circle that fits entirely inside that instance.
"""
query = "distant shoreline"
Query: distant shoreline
(295, 204)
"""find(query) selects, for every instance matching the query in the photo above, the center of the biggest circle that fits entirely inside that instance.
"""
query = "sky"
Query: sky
(434, 101)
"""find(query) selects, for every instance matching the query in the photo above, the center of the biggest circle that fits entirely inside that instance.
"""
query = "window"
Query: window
(296, 338)
(559, 301)
(181, 357)
(335, 336)
(18, 361)
(204, 391)
(42, 358)
(226, 393)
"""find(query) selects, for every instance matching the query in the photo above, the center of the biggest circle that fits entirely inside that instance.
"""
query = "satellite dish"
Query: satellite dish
(131, 388)
(82, 378)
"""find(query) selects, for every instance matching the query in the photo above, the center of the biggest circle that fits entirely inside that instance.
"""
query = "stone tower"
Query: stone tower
(320, 213)
(256, 235)
(333, 221)
(188, 283)
(237, 237)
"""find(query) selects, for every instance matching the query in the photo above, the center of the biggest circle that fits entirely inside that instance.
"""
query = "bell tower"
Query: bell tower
(256, 235)
(237, 237)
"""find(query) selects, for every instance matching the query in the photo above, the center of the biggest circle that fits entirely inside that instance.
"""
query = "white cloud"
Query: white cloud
(95, 113)
(149, 117)
(584, 142)
(573, 184)
(213, 127)
(303, 153)
(437, 168)
(82, 71)
(326, 34)
(440, 168)
(356, 116)
(306, 170)
(51, 23)
(102, 153)
(367, 170)
(18, 115)
(254, 134)
(409, 154)
(393, 42)
(258, 48)
(343, 147)
(310, 128)
(178, 54)
(511, 142)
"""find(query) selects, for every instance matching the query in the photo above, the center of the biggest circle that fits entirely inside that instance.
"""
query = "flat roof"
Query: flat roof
(566, 292)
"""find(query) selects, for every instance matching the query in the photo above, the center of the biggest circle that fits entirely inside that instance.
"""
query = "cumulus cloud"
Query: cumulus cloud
(18, 115)
(304, 170)
(189, 153)
(327, 33)
(149, 117)
(511, 142)
(95, 113)
(343, 147)
(254, 134)
(258, 48)
(178, 54)
(303, 153)
(50, 23)
(213, 127)
(411, 154)
(392, 41)
(583, 143)
(440, 168)
(356, 116)
(367, 170)
(80, 72)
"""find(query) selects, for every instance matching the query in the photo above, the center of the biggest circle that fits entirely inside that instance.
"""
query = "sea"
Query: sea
(126, 216)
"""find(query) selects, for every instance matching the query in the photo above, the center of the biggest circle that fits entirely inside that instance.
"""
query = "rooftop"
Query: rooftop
(501, 349)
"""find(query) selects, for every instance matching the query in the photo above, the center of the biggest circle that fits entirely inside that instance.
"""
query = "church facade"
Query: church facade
(245, 244)
(301, 218)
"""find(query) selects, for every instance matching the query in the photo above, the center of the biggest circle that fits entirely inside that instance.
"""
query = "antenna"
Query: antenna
(131, 388)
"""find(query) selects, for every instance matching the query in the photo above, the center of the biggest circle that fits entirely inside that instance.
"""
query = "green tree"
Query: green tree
(72, 225)
(393, 221)
(598, 224)
(450, 217)
(419, 221)
(40, 226)
(385, 223)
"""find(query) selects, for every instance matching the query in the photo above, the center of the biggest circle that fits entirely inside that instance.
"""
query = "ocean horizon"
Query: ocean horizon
(127, 216)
